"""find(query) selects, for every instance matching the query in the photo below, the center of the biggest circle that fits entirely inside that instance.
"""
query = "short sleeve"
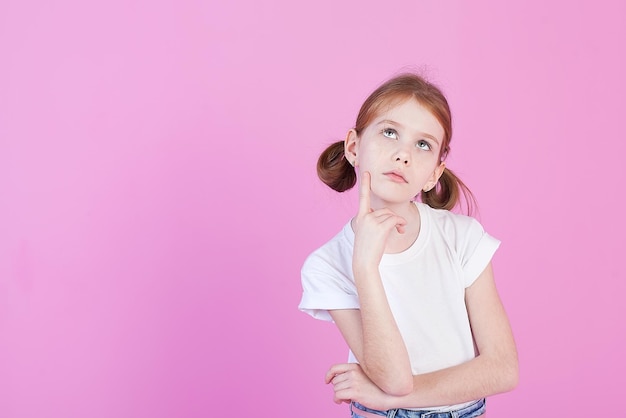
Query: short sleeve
(476, 250)
(326, 285)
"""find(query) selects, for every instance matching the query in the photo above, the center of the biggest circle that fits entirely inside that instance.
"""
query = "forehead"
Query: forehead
(411, 114)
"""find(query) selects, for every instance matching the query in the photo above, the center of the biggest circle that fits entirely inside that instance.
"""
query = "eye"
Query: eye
(421, 144)
(390, 133)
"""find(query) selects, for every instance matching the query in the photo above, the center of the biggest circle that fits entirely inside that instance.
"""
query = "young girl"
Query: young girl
(408, 283)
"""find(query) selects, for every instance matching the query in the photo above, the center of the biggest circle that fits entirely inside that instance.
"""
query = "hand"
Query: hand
(351, 384)
(372, 228)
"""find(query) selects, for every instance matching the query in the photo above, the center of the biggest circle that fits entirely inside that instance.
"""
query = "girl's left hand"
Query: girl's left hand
(351, 384)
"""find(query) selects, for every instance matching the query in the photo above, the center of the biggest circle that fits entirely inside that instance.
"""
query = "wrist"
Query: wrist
(364, 269)
(387, 402)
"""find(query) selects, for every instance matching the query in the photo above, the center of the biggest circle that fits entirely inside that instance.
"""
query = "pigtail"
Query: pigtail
(334, 170)
(449, 192)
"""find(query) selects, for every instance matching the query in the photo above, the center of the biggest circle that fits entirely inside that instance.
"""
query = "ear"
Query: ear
(351, 146)
(434, 178)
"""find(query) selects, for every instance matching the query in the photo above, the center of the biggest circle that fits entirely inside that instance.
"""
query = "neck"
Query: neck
(397, 242)
(405, 209)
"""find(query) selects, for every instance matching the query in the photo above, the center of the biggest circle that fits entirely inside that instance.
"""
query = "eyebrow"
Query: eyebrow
(399, 125)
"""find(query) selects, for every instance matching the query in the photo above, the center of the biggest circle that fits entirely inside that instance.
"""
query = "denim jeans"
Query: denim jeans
(471, 411)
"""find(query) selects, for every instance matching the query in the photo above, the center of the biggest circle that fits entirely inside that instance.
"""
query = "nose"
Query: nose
(405, 161)
(403, 156)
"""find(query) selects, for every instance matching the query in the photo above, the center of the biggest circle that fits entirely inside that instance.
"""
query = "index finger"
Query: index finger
(364, 194)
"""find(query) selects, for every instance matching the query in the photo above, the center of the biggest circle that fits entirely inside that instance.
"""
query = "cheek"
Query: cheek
(428, 157)
(365, 153)
(375, 149)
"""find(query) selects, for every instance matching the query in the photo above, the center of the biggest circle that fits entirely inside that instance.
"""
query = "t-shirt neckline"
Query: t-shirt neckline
(413, 250)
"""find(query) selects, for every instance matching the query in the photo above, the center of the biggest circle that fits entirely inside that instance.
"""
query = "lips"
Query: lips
(395, 176)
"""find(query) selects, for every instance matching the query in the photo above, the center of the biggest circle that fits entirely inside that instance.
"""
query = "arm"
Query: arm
(371, 331)
(493, 370)
(393, 377)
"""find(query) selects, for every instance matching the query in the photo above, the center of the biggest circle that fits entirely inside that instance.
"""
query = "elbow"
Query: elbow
(509, 375)
(394, 383)
(398, 386)
(394, 380)
(512, 378)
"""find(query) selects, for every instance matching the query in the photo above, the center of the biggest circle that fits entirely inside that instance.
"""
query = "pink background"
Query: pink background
(158, 194)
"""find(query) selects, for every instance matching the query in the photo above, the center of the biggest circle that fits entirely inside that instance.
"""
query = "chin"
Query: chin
(393, 201)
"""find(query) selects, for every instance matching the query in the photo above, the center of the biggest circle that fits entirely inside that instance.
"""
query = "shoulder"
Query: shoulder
(450, 224)
(327, 279)
(333, 255)
(465, 237)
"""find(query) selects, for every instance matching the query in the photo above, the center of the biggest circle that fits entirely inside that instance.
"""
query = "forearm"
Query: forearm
(478, 378)
(493, 371)
(384, 358)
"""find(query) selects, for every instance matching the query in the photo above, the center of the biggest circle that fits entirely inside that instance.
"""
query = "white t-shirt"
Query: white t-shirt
(425, 285)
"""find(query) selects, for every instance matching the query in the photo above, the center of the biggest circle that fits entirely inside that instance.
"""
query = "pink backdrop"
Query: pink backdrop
(158, 194)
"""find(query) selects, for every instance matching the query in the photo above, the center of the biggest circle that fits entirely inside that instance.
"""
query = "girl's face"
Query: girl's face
(400, 149)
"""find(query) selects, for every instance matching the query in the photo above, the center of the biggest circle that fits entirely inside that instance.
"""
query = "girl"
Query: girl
(408, 283)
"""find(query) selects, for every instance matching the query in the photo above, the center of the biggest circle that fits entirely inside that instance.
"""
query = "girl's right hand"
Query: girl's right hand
(372, 229)
(351, 384)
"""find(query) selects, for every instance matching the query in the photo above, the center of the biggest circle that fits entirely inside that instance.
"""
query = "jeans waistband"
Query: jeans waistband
(475, 409)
